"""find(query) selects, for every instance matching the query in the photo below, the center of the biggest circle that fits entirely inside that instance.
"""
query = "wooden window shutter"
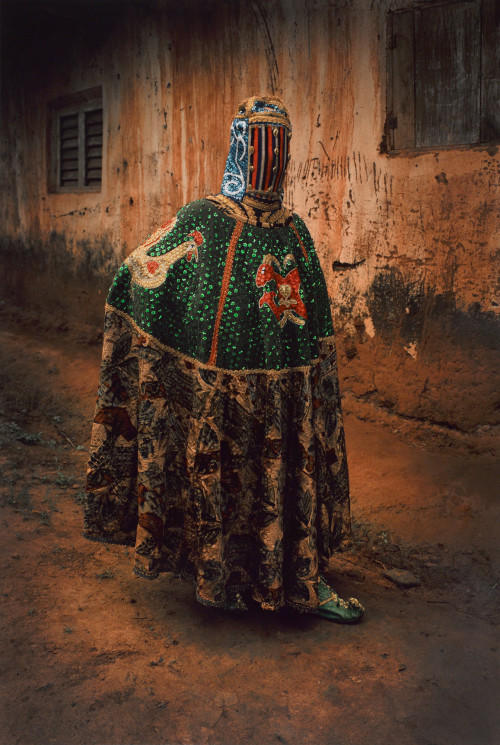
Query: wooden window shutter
(447, 74)
(75, 142)
(93, 147)
(490, 78)
(68, 150)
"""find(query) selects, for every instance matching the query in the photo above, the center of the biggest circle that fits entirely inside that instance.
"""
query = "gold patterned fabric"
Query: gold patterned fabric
(238, 478)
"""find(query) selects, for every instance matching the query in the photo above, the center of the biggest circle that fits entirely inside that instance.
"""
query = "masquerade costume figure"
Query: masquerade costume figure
(217, 447)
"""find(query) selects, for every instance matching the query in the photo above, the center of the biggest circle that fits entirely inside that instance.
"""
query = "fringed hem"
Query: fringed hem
(303, 609)
(111, 539)
(143, 575)
(182, 574)
(187, 576)
(286, 605)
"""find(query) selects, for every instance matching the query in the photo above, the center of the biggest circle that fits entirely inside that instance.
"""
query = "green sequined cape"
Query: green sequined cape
(218, 444)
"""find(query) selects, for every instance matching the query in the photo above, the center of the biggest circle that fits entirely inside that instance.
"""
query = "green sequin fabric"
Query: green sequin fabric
(218, 444)
(181, 312)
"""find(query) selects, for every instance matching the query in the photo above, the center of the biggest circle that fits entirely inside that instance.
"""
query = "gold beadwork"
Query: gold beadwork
(228, 268)
(270, 116)
(272, 216)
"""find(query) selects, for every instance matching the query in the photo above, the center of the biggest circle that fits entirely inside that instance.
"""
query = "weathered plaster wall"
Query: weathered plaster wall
(409, 244)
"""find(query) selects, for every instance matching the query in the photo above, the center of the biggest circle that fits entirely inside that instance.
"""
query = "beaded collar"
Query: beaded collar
(263, 211)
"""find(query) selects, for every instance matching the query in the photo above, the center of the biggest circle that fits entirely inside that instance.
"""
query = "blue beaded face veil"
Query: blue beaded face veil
(258, 154)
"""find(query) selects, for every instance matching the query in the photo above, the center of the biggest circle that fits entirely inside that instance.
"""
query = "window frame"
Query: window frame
(78, 103)
(487, 82)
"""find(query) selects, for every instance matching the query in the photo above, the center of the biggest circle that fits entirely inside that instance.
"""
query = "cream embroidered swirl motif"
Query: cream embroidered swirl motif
(151, 271)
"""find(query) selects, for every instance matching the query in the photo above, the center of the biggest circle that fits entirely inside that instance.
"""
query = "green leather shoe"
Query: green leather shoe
(333, 608)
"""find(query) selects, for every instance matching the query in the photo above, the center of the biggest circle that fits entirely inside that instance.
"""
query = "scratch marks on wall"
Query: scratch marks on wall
(353, 167)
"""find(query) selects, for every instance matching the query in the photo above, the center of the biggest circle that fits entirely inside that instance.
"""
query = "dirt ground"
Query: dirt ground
(91, 654)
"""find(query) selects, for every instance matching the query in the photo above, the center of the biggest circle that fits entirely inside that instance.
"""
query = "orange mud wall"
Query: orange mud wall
(409, 243)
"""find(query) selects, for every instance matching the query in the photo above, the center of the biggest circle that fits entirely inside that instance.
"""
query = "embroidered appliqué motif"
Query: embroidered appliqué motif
(151, 271)
(285, 303)
(234, 179)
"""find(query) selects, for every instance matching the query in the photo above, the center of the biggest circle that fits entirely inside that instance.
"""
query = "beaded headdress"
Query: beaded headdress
(258, 154)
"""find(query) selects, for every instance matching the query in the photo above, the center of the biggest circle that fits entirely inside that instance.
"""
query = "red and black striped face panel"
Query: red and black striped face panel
(268, 151)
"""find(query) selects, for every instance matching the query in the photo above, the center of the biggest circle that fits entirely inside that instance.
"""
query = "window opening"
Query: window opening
(443, 75)
(76, 142)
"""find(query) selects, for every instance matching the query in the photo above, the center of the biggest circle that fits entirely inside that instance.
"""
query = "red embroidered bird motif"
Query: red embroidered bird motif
(286, 303)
